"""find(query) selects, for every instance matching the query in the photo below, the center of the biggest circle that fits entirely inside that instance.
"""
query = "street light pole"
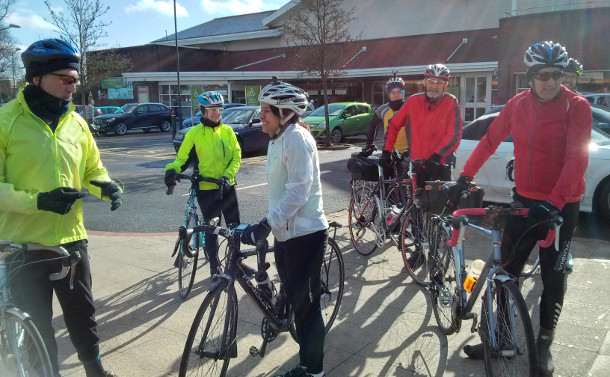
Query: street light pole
(178, 74)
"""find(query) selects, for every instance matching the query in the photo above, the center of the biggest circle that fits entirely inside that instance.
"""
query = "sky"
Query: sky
(133, 22)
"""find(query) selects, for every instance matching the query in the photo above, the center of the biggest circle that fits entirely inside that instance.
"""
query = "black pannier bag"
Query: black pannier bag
(363, 168)
(433, 199)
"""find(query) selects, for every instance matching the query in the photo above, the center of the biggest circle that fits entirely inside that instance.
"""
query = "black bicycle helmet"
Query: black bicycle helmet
(574, 66)
(49, 55)
(545, 54)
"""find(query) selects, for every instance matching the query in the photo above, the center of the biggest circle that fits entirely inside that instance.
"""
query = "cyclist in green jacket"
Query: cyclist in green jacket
(218, 156)
(47, 155)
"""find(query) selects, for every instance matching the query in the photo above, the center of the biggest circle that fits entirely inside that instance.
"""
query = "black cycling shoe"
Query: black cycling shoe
(297, 371)
(475, 352)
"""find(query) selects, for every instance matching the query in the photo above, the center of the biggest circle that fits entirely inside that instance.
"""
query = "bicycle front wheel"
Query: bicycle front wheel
(506, 332)
(364, 221)
(212, 340)
(22, 350)
(187, 258)
(415, 246)
(444, 280)
(332, 278)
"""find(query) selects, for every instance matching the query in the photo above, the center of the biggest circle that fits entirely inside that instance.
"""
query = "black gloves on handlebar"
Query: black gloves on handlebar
(367, 150)
(59, 200)
(542, 213)
(256, 232)
(455, 190)
(435, 158)
(171, 177)
(111, 191)
(223, 186)
(385, 161)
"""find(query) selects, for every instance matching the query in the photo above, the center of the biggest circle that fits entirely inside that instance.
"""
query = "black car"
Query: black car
(246, 125)
(144, 116)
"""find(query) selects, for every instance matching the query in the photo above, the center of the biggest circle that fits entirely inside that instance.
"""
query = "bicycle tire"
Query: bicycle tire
(444, 283)
(212, 340)
(415, 247)
(363, 216)
(22, 350)
(514, 332)
(187, 266)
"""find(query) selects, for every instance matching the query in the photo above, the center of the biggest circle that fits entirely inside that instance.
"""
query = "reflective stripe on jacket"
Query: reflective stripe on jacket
(551, 141)
(217, 150)
(431, 127)
(33, 159)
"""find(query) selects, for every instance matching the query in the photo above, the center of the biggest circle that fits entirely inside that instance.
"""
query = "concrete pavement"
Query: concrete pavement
(385, 327)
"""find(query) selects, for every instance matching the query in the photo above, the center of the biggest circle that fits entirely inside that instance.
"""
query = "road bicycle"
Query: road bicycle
(212, 339)
(506, 328)
(188, 253)
(22, 350)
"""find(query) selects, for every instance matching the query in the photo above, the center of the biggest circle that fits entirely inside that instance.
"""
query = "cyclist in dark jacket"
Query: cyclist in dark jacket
(551, 129)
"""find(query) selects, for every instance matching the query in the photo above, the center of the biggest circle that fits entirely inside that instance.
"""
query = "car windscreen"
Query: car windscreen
(333, 111)
(237, 115)
(129, 108)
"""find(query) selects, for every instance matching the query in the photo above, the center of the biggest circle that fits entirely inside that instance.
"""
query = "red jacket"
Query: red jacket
(551, 141)
(432, 127)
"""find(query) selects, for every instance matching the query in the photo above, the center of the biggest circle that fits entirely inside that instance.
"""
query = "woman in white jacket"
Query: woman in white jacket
(296, 217)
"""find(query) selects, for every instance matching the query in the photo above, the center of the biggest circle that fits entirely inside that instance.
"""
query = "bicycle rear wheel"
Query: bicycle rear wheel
(364, 221)
(506, 332)
(444, 280)
(212, 340)
(22, 350)
(187, 264)
(415, 247)
(332, 277)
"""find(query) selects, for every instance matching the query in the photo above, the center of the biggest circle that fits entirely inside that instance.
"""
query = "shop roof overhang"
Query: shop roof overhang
(295, 75)
(186, 42)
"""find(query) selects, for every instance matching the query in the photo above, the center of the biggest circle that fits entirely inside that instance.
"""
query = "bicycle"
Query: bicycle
(22, 349)
(212, 340)
(188, 254)
(506, 328)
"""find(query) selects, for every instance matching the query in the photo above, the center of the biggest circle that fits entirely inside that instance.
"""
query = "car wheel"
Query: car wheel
(120, 129)
(166, 126)
(603, 200)
(336, 135)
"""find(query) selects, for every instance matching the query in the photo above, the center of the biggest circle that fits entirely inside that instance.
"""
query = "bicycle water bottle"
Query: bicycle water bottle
(473, 274)
(265, 286)
(394, 212)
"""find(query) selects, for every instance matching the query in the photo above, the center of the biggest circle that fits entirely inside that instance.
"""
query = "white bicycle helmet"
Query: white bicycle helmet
(284, 96)
(210, 99)
(545, 54)
(437, 70)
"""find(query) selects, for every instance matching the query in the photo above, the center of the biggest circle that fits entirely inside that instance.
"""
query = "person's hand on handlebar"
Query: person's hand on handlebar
(454, 190)
(542, 213)
(171, 177)
(256, 232)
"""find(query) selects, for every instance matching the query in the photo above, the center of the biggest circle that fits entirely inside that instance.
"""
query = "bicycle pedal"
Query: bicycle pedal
(254, 351)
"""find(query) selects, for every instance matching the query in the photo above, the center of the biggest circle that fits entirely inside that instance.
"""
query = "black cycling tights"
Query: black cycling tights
(552, 263)
(299, 261)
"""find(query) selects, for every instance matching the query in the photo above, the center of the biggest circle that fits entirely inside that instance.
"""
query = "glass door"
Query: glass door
(475, 95)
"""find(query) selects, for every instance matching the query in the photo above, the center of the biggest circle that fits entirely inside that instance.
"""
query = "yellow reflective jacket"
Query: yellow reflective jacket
(217, 150)
(33, 159)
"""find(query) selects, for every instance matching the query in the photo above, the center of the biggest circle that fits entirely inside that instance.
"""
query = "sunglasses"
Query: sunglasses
(546, 76)
(216, 110)
(66, 79)
(436, 82)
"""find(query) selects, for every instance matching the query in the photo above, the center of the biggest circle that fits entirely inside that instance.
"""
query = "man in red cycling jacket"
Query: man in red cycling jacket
(433, 126)
(551, 129)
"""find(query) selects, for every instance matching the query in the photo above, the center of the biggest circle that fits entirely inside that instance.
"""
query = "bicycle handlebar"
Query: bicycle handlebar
(69, 264)
(459, 216)
(195, 178)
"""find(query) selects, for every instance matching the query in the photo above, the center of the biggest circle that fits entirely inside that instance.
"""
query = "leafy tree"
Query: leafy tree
(319, 29)
(81, 24)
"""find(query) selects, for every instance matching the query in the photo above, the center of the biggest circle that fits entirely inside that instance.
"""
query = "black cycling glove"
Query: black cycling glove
(454, 190)
(385, 161)
(59, 200)
(171, 177)
(111, 191)
(541, 214)
(256, 232)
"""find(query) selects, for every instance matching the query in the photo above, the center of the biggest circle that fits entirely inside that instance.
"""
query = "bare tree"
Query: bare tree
(320, 30)
(8, 46)
(102, 65)
(81, 24)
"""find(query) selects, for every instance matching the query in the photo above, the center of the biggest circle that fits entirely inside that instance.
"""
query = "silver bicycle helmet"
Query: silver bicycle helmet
(210, 99)
(437, 70)
(545, 54)
(284, 96)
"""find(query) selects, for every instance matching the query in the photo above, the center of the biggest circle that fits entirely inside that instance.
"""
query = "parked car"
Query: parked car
(144, 116)
(346, 119)
(246, 125)
(492, 175)
(104, 110)
(602, 99)
(188, 122)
